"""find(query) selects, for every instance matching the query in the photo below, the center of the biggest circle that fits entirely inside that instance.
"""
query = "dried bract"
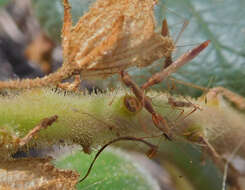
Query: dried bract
(35, 173)
(112, 36)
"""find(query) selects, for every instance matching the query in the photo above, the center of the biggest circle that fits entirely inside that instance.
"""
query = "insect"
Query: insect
(109, 38)
(158, 120)
(180, 104)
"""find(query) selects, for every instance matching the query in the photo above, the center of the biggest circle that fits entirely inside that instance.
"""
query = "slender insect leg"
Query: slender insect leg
(43, 125)
(185, 24)
(177, 105)
(180, 114)
(126, 79)
(194, 109)
(158, 120)
(185, 58)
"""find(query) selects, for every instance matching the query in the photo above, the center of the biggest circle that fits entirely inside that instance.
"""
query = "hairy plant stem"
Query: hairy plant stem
(93, 120)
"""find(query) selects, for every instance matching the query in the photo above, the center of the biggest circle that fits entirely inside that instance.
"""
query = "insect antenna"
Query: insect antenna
(184, 26)
(112, 142)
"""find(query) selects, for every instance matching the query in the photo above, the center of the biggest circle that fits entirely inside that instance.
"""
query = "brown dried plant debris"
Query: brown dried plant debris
(35, 173)
(10, 143)
(39, 51)
(234, 98)
(43, 125)
(112, 36)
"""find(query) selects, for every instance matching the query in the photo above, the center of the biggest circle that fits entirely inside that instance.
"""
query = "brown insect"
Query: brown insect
(109, 38)
(158, 120)
(181, 104)
(172, 67)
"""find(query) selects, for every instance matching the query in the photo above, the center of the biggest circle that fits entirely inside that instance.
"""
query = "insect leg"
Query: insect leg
(194, 109)
(158, 120)
(185, 58)
(180, 114)
(43, 125)
(185, 24)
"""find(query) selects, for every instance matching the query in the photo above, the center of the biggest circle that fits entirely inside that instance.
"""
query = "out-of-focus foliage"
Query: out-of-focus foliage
(3, 2)
(113, 170)
(219, 21)
(50, 14)
(189, 159)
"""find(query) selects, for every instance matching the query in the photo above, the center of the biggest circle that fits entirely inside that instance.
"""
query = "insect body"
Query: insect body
(109, 38)
(181, 104)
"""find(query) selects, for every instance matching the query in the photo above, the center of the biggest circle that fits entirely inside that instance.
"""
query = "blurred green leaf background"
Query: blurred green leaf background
(3, 2)
(114, 169)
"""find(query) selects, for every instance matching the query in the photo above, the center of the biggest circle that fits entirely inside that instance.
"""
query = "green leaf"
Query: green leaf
(222, 63)
(189, 159)
(113, 169)
(4, 2)
(222, 23)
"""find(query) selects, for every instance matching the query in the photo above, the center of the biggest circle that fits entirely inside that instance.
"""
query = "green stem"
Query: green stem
(92, 120)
